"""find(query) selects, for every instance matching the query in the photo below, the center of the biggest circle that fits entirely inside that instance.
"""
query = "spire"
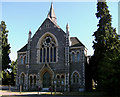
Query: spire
(51, 13)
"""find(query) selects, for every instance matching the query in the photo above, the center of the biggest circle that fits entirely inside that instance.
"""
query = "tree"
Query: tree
(6, 77)
(5, 46)
(88, 73)
(13, 72)
(5, 51)
(110, 75)
(0, 57)
(106, 48)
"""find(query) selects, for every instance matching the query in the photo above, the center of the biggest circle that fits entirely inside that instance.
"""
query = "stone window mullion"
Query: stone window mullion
(45, 54)
(49, 54)
(56, 54)
(42, 54)
(52, 54)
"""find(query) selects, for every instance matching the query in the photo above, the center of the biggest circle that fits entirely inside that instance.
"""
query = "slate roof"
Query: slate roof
(23, 49)
(75, 42)
(48, 18)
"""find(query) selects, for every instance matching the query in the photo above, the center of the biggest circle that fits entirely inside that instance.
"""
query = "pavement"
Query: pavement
(7, 92)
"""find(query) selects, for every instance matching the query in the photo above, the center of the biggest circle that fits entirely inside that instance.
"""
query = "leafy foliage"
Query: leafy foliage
(6, 77)
(9, 75)
(13, 72)
(105, 61)
(5, 51)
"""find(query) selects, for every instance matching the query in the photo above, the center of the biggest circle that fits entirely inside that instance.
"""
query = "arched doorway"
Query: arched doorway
(22, 80)
(46, 80)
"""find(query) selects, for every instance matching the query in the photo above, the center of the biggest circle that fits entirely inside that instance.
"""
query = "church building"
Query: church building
(51, 58)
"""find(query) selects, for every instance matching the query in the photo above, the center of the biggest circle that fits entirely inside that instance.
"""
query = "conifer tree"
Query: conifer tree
(5, 54)
(106, 47)
(5, 46)
(0, 58)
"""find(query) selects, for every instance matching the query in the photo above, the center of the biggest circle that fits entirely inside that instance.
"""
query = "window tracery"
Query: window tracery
(48, 49)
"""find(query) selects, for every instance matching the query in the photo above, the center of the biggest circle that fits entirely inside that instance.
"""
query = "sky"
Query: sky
(20, 17)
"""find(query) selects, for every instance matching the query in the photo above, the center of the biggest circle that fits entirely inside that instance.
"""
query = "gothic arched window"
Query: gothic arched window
(22, 78)
(73, 57)
(21, 59)
(75, 77)
(34, 80)
(62, 77)
(31, 81)
(58, 77)
(25, 60)
(48, 49)
(78, 57)
(58, 80)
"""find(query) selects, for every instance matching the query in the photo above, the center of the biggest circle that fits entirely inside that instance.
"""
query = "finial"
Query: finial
(51, 4)
(29, 35)
(30, 31)
(67, 28)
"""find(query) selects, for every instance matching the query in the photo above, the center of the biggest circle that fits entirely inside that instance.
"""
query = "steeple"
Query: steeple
(51, 14)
